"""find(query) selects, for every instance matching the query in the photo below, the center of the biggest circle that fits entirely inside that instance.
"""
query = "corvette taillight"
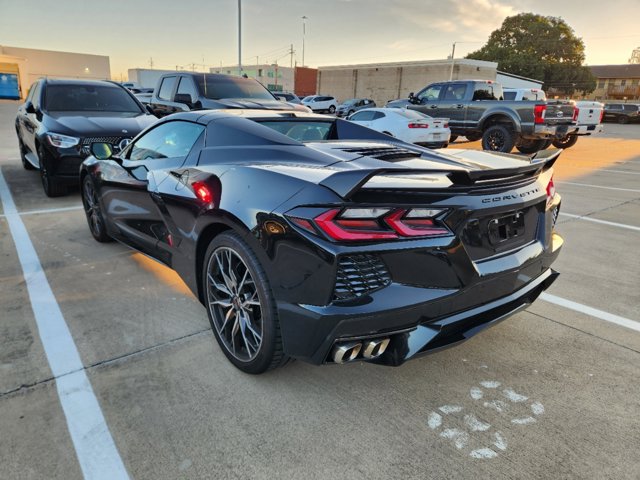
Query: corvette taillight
(551, 190)
(363, 224)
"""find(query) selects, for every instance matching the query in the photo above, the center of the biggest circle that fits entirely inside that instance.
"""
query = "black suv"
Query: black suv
(184, 91)
(60, 119)
(621, 112)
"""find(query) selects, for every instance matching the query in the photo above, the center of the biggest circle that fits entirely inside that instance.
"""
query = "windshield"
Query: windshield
(302, 131)
(309, 98)
(216, 87)
(350, 102)
(89, 98)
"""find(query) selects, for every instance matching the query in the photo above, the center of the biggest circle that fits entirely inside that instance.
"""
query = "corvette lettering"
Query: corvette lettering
(512, 196)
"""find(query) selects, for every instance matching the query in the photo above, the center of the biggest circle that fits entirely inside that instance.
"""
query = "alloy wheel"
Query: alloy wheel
(92, 208)
(496, 141)
(234, 304)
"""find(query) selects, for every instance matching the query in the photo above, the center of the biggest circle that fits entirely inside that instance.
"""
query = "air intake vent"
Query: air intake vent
(384, 153)
(359, 275)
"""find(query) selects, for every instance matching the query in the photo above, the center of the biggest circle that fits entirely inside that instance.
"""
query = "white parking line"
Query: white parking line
(604, 222)
(598, 186)
(626, 172)
(594, 312)
(49, 210)
(94, 446)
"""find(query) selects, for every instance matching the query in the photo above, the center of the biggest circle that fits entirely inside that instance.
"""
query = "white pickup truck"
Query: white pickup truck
(588, 122)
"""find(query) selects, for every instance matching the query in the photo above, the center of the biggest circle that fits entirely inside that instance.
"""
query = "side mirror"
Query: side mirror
(149, 109)
(29, 108)
(184, 98)
(102, 151)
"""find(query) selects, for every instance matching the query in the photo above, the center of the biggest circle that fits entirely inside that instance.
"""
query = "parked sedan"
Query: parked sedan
(312, 237)
(60, 119)
(349, 107)
(320, 103)
(407, 125)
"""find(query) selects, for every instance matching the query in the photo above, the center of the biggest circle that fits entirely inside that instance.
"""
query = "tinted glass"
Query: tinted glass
(186, 87)
(166, 88)
(169, 140)
(89, 98)
(364, 116)
(217, 87)
(484, 92)
(509, 95)
(630, 108)
(455, 92)
(302, 131)
(431, 93)
(378, 115)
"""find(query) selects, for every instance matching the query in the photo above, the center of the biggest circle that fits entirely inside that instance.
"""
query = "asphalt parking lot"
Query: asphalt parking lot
(553, 392)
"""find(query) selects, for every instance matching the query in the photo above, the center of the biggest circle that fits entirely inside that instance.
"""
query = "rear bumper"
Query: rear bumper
(420, 320)
(588, 129)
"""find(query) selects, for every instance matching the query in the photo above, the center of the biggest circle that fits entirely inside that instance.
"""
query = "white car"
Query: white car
(407, 125)
(320, 103)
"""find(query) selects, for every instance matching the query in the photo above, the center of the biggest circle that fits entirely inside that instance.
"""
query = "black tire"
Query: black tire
(473, 137)
(530, 146)
(623, 120)
(268, 353)
(26, 164)
(332, 109)
(565, 142)
(51, 186)
(547, 144)
(453, 138)
(92, 210)
(498, 138)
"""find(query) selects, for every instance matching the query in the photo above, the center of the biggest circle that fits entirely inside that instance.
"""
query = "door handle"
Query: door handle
(460, 105)
(433, 106)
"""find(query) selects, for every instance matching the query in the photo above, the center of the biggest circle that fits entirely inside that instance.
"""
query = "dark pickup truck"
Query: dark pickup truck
(477, 110)
(185, 91)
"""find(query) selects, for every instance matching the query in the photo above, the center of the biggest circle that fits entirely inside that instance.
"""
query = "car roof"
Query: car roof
(76, 81)
(206, 116)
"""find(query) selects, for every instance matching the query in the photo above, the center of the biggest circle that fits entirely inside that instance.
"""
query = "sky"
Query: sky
(173, 33)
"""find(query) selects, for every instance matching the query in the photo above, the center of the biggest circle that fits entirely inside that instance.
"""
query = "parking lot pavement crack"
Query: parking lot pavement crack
(585, 332)
(29, 386)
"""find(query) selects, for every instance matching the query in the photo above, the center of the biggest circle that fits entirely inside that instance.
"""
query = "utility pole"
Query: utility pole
(240, 37)
(453, 53)
(291, 53)
(150, 62)
(304, 32)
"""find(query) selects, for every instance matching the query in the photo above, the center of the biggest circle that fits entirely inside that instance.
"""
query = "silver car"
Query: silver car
(350, 106)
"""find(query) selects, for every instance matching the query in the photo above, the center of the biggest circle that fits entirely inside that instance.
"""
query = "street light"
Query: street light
(304, 31)
(240, 37)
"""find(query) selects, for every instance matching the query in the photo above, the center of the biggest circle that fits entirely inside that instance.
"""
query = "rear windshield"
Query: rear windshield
(89, 98)
(410, 114)
(218, 87)
(509, 95)
(302, 131)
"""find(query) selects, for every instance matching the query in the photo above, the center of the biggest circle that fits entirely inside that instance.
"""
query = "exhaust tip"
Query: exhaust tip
(346, 352)
(375, 348)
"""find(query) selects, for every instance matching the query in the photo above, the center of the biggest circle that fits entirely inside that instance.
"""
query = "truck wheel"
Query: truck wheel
(565, 142)
(453, 138)
(332, 109)
(473, 137)
(623, 119)
(498, 138)
(546, 144)
(530, 146)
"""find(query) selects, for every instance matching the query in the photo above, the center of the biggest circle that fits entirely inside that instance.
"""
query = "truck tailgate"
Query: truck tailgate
(559, 112)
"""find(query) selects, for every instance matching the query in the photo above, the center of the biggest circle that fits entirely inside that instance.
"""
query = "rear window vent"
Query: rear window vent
(384, 153)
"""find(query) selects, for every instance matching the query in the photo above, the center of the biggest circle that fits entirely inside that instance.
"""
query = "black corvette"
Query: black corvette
(311, 237)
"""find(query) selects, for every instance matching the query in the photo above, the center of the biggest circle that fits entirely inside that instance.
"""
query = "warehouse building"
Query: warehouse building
(20, 67)
(388, 81)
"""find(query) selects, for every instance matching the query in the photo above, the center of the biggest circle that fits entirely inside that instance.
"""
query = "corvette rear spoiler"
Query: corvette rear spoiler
(346, 183)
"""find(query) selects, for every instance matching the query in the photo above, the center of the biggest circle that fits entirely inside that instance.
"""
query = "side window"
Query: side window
(378, 115)
(166, 88)
(509, 95)
(455, 91)
(37, 95)
(169, 140)
(430, 93)
(186, 87)
(483, 92)
(363, 116)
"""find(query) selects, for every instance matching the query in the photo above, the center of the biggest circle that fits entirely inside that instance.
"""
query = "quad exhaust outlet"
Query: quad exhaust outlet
(349, 351)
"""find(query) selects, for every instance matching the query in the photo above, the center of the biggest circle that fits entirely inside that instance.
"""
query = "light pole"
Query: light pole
(240, 37)
(453, 52)
(304, 31)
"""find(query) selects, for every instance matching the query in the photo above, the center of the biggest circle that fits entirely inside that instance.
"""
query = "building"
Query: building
(305, 81)
(20, 67)
(616, 82)
(388, 81)
(276, 78)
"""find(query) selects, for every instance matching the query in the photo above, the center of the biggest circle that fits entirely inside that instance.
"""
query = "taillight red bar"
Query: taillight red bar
(418, 125)
(551, 190)
(576, 112)
(538, 113)
(392, 225)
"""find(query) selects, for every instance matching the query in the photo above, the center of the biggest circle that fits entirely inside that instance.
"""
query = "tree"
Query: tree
(544, 48)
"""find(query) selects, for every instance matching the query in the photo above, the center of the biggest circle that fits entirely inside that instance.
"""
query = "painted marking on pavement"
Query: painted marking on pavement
(598, 186)
(603, 222)
(94, 446)
(626, 172)
(594, 312)
(48, 210)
